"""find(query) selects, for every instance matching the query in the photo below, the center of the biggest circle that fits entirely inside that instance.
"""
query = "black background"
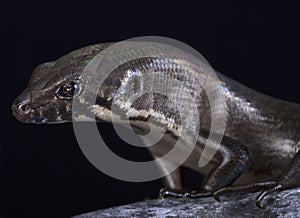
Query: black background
(43, 171)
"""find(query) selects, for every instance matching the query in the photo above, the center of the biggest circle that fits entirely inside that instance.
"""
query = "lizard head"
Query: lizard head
(52, 87)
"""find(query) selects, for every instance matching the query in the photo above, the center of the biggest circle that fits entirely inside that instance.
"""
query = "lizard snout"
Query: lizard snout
(20, 110)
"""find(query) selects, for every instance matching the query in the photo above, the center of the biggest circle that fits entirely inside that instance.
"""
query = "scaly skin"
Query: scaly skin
(260, 147)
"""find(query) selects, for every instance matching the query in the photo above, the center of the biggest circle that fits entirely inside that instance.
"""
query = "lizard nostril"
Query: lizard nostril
(23, 108)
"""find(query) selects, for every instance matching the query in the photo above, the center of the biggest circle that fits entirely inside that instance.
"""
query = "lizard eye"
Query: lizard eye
(67, 91)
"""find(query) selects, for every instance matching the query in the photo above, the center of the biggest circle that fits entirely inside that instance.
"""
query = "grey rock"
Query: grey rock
(281, 204)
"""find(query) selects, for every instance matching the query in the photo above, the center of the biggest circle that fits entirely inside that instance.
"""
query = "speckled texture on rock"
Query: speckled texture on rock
(282, 204)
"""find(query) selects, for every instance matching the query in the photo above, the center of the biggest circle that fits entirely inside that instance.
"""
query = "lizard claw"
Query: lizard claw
(259, 200)
(263, 194)
(217, 194)
(162, 193)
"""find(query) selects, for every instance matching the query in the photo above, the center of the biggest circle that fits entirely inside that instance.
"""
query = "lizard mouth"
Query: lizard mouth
(24, 113)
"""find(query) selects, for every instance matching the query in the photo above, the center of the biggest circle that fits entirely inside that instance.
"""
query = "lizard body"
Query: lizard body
(260, 147)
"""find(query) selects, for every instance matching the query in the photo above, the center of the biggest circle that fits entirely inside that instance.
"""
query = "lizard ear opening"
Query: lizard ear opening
(41, 71)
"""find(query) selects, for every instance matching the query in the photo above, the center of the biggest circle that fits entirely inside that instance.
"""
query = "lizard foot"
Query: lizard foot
(265, 193)
(267, 187)
(164, 192)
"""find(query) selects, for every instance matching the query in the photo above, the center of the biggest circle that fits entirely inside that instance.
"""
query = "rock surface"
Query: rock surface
(281, 204)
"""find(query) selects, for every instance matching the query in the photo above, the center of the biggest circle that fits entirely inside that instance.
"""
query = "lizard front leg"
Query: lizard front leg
(232, 159)
(174, 179)
(289, 178)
